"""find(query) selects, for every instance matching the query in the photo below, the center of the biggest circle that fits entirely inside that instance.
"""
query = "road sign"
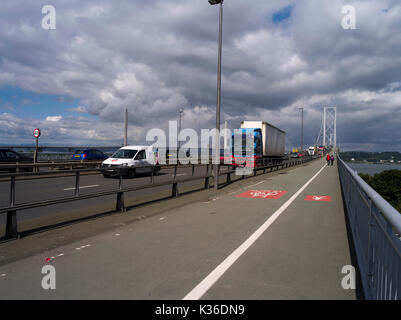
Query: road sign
(262, 194)
(317, 198)
(36, 133)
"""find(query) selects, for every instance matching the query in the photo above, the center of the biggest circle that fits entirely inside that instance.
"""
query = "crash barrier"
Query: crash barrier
(376, 227)
(62, 165)
(35, 167)
(12, 208)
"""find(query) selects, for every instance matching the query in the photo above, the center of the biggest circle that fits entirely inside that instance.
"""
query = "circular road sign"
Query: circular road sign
(36, 133)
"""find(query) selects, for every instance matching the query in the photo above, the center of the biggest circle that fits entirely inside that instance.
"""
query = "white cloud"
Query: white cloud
(79, 109)
(54, 118)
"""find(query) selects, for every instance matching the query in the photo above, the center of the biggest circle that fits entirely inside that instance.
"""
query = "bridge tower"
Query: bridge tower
(330, 127)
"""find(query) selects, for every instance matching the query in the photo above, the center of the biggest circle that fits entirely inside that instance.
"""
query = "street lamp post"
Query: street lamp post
(217, 155)
(302, 129)
(181, 111)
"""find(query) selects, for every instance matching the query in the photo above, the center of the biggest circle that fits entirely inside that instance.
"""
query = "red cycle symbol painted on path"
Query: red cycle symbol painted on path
(262, 194)
(318, 198)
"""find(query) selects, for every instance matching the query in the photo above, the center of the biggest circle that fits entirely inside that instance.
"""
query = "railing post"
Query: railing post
(193, 170)
(207, 185)
(77, 184)
(11, 223)
(175, 184)
(370, 247)
(228, 180)
(216, 178)
(120, 195)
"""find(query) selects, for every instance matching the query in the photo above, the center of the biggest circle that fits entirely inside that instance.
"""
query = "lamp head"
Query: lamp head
(213, 2)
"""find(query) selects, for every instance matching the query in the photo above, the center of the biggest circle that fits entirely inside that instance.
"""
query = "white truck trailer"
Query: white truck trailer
(273, 138)
(269, 142)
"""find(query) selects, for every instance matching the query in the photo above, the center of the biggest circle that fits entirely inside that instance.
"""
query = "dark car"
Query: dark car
(11, 157)
(89, 154)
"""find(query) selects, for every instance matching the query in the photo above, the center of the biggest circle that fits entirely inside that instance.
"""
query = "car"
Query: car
(294, 155)
(89, 154)
(8, 156)
(133, 160)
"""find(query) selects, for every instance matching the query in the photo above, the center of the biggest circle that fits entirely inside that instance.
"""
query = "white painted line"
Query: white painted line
(60, 255)
(255, 184)
(83, 187)
(179, 174)
(216, 274)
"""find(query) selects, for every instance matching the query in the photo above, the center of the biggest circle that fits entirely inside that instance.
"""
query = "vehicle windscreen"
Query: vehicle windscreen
(124, 154)
(242, 140)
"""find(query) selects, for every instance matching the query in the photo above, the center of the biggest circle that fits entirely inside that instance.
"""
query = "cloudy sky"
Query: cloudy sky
(157, 56)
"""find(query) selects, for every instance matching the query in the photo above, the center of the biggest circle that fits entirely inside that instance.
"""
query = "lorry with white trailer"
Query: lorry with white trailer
(266, 144)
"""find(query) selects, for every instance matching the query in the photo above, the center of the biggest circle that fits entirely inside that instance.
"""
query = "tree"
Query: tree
(387, 184)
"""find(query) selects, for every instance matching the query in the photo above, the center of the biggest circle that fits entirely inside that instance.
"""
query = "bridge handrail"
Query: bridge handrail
(375, 227)
(387, 210)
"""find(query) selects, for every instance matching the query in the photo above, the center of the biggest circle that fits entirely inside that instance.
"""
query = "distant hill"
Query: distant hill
(370, 156)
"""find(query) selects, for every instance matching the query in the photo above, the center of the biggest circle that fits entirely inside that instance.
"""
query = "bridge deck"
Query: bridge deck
(300, 255)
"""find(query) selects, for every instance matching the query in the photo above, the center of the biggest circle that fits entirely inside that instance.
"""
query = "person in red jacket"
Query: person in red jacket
(328, 158)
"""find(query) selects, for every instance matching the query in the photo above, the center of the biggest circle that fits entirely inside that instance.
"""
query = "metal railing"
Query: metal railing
(11, 209)
(376, 228)
(23, 166)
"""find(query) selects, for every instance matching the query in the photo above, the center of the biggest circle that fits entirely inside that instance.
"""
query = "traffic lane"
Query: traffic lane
(162, 257)
(300, 256)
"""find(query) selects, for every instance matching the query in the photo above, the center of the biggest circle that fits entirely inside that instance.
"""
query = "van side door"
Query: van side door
(140, 162)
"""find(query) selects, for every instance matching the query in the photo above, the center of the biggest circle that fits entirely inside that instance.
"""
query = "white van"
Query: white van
(134, 160)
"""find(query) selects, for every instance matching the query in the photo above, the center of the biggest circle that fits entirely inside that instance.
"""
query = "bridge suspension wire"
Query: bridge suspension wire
(320, 133)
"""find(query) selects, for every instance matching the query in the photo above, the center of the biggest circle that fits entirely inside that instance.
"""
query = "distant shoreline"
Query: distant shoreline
(366, 162)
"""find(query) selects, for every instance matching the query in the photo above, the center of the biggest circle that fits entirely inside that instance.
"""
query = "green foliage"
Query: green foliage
(387, 184)
(366, 177)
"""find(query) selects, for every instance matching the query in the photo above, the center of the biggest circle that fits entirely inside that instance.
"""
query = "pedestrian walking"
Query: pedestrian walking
(328, 158)
(332, 159)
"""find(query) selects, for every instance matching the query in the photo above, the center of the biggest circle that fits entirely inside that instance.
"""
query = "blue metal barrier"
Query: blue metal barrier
(376, 230)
